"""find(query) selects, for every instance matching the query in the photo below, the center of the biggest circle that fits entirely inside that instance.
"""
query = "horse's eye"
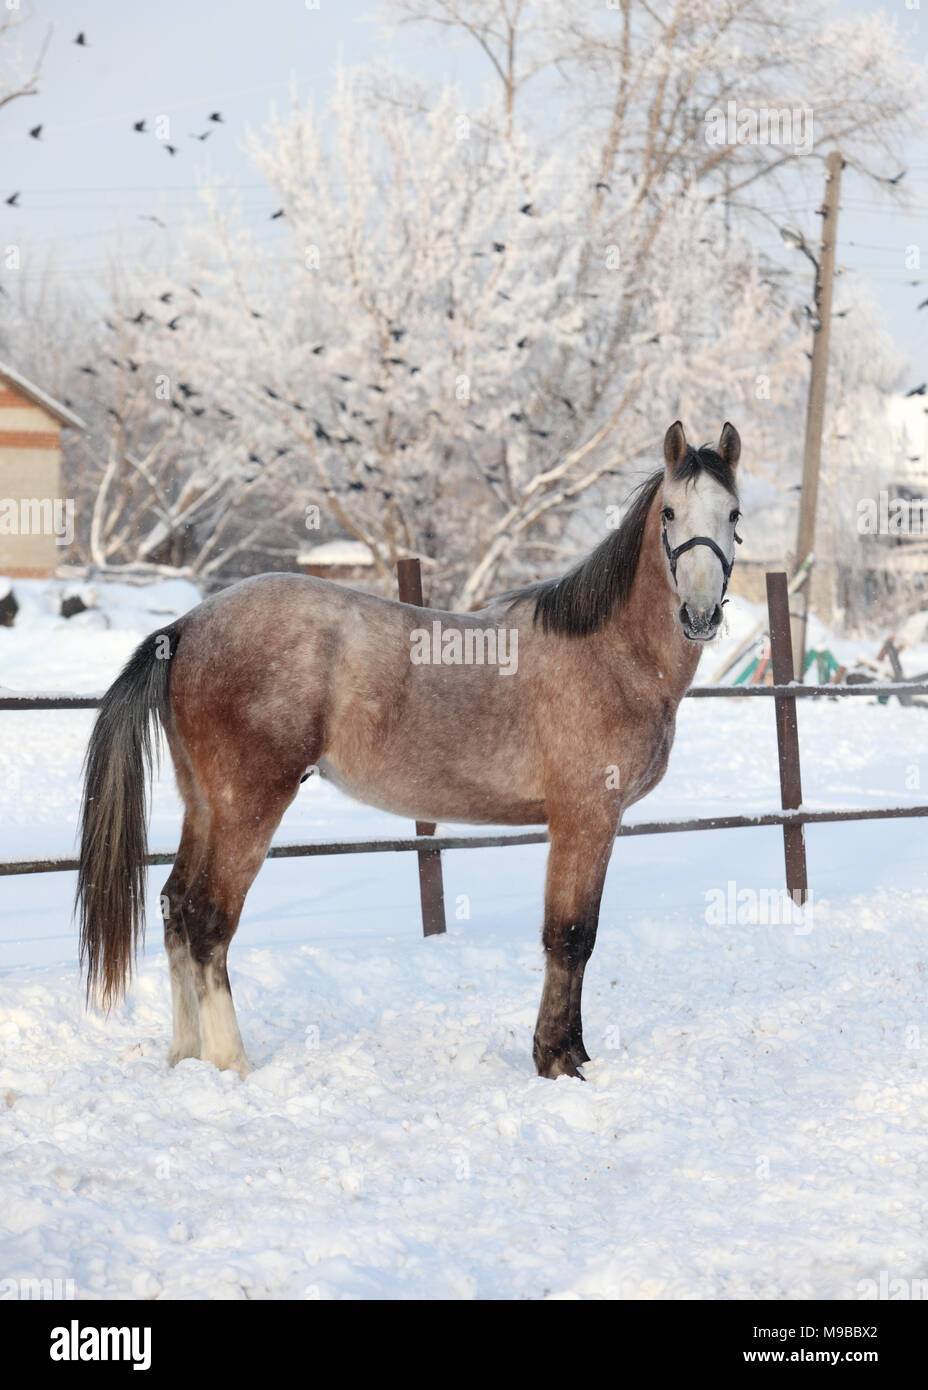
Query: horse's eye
(667, 513)
(735, 515)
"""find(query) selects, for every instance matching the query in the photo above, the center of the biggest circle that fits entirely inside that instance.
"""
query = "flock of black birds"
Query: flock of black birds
(330, 435)
(217, 118)
(140, 127)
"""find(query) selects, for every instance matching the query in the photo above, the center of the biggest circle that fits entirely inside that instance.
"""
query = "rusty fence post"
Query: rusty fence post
(431, 883)
(781, 659)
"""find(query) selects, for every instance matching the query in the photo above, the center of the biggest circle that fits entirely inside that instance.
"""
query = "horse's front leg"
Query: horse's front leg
(577, 863)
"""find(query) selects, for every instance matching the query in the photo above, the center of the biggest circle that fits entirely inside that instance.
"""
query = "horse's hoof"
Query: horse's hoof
(239, 1064)
(552, 1063)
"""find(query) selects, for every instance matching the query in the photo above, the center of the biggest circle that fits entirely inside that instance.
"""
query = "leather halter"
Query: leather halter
(674, 555)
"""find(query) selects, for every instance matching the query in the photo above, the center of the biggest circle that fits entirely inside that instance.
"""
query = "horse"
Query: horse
(282, 673)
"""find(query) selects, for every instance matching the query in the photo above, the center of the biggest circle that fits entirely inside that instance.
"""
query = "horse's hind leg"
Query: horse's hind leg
(577, 864)
(235, 850)
(186, 1037)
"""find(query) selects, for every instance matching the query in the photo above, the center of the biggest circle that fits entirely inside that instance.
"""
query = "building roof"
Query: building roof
(337, 552)
(38, 397)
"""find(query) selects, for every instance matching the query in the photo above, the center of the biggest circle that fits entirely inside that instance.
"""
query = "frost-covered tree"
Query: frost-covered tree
(438, 335)
(161, 478)
(19, 73)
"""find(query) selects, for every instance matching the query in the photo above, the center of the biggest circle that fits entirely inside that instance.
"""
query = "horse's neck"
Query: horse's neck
(647, 621)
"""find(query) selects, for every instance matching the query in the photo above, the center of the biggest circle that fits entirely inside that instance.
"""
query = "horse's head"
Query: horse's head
(699, 513)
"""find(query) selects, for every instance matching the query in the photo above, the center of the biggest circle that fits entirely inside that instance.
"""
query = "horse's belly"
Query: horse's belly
(421, 796)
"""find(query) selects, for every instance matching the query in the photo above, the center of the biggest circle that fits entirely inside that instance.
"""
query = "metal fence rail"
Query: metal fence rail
(794, 691)
(437, 843)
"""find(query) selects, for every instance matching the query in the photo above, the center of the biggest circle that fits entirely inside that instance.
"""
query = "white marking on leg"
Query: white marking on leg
(186, 1039)
(221, 1039)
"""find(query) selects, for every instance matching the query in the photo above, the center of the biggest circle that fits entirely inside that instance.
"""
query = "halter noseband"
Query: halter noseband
(674, 555)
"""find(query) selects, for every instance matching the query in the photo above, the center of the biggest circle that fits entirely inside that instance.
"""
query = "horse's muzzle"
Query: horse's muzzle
(700, 624)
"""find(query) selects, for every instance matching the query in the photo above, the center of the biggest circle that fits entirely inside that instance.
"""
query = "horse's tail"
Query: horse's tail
(112, 868)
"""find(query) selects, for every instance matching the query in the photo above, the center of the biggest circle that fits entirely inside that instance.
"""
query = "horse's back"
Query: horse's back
(287, 671)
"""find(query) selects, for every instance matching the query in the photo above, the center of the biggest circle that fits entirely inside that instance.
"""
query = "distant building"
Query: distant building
(36, 521)
(345, 560)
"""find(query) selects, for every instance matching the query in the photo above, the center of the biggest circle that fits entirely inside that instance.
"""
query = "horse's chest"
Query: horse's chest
(649, 750)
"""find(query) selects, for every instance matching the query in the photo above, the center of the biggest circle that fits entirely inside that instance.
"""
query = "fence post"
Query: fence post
(781, 659)
(431, 882)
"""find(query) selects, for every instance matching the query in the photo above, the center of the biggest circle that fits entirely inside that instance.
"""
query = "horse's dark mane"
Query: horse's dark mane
(584, 599)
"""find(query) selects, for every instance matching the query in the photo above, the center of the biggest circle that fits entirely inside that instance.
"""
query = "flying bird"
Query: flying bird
(172, 323)
(205, 136)
(13, 200)
(36, 132)
(900, 175)
(318, 351)
(604, 186)
(150, 217)
(139, 126)
(81, 40)
(171, 149)
(88, 371)
(166, 297)
(140, 317)
(918, 390)
(527, 209)
(923, 305)
(279, 213)
(217, 117)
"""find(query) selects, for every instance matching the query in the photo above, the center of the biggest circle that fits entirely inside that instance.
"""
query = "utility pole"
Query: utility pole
(815, 414)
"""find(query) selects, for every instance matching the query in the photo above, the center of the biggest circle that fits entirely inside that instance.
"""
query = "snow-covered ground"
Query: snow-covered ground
(754, 1121)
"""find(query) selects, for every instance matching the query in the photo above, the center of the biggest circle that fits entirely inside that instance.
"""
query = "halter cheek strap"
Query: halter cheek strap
(674, 555)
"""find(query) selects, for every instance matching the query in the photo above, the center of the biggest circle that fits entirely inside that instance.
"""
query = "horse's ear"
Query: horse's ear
(729, 445)
(674, 445)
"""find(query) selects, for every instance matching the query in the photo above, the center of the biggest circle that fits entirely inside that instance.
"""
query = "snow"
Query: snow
(753, 1124)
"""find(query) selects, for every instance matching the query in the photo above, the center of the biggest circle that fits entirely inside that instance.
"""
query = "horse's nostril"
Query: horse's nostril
(717, 615)
(684, 615)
